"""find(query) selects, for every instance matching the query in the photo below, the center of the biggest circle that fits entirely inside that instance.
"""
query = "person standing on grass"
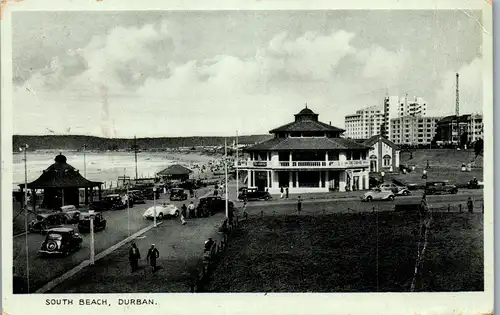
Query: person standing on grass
(281, 191)
(470, 205)
(245, 213)
(133, 257)
(286, 192)
(153, 254)
(299, 205)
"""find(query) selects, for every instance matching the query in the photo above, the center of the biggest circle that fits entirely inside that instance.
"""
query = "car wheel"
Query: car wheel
(176, 213)
(160, 216)
(406, 193)
(391, 198)
(369, 198)
(51, 246)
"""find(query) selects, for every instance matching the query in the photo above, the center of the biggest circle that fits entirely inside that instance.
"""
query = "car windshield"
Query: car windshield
(54, 236)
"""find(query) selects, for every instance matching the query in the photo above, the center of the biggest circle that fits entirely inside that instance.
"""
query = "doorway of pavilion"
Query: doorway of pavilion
(333, 180)
(261, 180)
(310, 179)
(373, 163)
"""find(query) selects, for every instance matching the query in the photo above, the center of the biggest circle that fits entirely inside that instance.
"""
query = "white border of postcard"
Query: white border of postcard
(287, 303)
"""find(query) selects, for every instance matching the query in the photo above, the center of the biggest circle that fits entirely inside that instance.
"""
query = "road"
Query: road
(119, 226)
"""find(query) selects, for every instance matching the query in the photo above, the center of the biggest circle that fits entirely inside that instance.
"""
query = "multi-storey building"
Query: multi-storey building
(413, 130)
(470, 125)
(365, 123)
(375, 120)
(307, 155)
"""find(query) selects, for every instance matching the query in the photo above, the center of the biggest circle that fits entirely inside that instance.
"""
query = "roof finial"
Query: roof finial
(306, 104)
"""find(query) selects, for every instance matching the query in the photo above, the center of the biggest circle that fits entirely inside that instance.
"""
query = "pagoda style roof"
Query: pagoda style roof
(287, 144)
(61, 175)
(175, 169)
(306, 120)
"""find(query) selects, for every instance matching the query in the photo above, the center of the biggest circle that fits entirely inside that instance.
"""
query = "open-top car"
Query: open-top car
(178, 194)
(46, 221)
(396, 189)
(213, 204)
(254, 194)
(116, 202)
(72, 213)
(84, 224)
(61, 241)
(440, 187)
(378, 194)
(165, 210)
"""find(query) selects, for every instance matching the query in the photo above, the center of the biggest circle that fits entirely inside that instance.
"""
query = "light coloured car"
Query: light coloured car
(378, 194)
(164, 210)
(396, 189)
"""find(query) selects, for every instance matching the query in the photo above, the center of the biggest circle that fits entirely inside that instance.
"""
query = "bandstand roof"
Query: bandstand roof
(61, 175)
(175, 169)
(287, 144)
(306, 120)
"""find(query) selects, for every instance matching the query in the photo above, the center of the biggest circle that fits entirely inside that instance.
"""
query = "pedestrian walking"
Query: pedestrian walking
(133, 257)
(191, 209)
(216, 192)
(424, 174)
(470, 205)
(299, 204)
(191, 193)
(153, 254)
(286, 192)
(184, 210)
(281, 192)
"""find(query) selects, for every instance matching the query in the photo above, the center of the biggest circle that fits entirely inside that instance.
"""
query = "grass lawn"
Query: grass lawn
(351, 253)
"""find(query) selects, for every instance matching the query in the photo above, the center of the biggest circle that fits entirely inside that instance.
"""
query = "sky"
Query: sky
(206, 73)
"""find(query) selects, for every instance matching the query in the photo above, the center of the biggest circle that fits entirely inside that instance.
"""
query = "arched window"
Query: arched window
(387, 160)
(373, 157)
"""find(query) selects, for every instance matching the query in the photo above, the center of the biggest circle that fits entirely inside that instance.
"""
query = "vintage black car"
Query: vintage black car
(137, 196)
(254, 194)
(101, 205)
(61, 241)
(178, 194)
(192, 184)
(212, 204)
(84, 224)
(116, 202)
(71, 212)
(440, 187)
(46, 221)
(149, 193)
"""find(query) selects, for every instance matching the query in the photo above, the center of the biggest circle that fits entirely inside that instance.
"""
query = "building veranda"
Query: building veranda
(307, 155)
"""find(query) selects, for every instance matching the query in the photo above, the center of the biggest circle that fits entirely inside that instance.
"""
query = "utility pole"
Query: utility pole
(237, 162)
(84, 161)
(26, 217)
(225, 171)
(457, 110)
(135, 154)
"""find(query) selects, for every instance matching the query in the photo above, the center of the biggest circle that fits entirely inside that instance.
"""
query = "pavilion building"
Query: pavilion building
(61, 184)
(307, 155)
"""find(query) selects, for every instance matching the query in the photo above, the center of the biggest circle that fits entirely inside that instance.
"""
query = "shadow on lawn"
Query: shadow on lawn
(351, 253)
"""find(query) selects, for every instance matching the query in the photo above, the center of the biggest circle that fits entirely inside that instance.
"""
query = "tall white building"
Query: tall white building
(365, 123)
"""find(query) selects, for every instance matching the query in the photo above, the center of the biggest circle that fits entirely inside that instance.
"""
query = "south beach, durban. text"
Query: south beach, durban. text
(99, 302)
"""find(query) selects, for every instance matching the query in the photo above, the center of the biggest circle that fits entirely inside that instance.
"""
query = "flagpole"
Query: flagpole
(237, 162)
(225, 172)
(26, 219)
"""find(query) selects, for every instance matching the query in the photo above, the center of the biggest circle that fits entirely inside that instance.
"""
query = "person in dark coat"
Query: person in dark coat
(470, 205)
(286, 192)
(299, 204)
(133, 257)
(153, 254)
(184, 210)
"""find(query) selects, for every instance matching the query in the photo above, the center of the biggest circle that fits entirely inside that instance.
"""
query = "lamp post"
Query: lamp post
(24, 148)
(225, 172)
(92, 249)
(237, 162)
(128, 211)
(154, 206)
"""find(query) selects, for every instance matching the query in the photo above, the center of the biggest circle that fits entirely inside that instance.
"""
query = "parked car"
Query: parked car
(178, 194)
(213, 204)
(46, 221)
(440, 187)
(116, 202)
(165, 210)
(192, 184)
(149, 194)
(378, 194)
(101, 205)
(472, 184)
(254, 194)
(396, 189)
(137, 196)
(84, 224)
(61, 241)
(71, 212)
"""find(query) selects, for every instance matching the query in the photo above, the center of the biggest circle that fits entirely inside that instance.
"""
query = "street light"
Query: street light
(92, 249)
(154, 206)
(24, 148)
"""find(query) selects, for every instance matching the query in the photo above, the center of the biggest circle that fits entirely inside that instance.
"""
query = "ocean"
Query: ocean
(104, 166)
